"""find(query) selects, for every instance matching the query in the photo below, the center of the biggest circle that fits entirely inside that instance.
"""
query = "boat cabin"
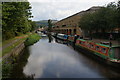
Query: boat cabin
(102, 50)
(62, 36)
(115, 52)
(71, 38)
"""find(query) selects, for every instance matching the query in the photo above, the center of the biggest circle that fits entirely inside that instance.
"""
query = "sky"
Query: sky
(60, 9)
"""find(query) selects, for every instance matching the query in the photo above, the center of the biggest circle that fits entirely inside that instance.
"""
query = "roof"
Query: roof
(102, 45)
(90, 9)
(113, 46)
(61, 34)
(82, 39)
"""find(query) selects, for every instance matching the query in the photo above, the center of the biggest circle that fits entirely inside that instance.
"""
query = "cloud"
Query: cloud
(70, 0)
(59, 9)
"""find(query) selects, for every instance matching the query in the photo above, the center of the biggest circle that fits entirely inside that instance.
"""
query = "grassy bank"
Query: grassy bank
(7, 65)
(9, 48)
(30, 38)
(33, 38)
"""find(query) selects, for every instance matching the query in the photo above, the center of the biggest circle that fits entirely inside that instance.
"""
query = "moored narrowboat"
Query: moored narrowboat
(62, 37)
(71, 40)
(108, 54)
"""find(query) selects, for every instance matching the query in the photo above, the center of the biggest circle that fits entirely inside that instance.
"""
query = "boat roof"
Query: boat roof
(82, 39)
(61, 34)
(113, 46)
(102, 45)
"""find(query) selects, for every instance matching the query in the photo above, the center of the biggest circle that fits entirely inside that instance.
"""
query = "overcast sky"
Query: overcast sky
(59, 9)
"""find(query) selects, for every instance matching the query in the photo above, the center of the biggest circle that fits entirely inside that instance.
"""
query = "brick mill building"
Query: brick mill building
(70, 25)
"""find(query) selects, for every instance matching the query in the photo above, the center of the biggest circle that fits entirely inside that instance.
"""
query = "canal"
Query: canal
(56, 60)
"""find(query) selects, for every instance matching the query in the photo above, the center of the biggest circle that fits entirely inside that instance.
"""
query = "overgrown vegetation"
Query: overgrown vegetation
(104, 20)
(33, 38)
(12, 43)
(15, 25)
(6, 69)
(16, 19)
(9, 63)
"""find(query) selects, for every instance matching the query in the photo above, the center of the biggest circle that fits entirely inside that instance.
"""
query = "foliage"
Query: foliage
(42, 23)
(33, 25)
(15, 19)
(7, 67)
(103, 20)
(118, 14)
(49, 25)
(33, 38)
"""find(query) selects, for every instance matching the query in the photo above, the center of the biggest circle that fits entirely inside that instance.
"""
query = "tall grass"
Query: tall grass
(33, 38)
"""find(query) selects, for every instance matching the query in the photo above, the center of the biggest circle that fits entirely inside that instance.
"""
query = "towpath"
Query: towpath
(10, 44)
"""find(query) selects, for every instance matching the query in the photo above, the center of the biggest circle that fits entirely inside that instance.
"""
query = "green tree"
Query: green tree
(49, 25)
(15, 19)
(118, 15)
(33, 25)
(102, 20)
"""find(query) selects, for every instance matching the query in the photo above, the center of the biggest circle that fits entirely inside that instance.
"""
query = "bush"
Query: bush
(7, 35)
(7, 67)
(32, 39)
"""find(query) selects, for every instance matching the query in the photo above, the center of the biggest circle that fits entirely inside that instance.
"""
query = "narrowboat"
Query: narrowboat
(71, 40)
(43, 35)
(62, 37)
(108, 54)
(53, 34)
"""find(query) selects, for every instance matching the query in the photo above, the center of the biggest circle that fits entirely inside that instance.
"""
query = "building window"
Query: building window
(63, 25)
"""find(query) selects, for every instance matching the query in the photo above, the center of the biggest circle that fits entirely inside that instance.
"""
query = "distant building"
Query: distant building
(70, 25)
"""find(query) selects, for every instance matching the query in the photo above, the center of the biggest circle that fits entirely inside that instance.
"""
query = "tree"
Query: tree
(33, 25)
(15, 18)
(49, 25)
(102, 20)
(118, 15)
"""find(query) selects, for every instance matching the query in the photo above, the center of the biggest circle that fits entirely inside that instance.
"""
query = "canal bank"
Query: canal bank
(55, 60)
(9, 60)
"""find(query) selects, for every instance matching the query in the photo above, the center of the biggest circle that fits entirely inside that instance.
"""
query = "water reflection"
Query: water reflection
(60, 61)
(17, 71)
(56, 61)
(49, 37)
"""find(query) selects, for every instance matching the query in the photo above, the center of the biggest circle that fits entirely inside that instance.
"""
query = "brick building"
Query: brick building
(70, 25)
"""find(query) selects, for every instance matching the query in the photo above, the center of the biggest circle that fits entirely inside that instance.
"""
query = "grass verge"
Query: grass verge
(32, 39)
(8, 49)
(9, 63)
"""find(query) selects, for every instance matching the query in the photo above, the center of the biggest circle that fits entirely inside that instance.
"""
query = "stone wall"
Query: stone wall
(15, 52)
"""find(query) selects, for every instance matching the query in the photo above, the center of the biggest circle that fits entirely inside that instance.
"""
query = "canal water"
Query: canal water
(56, 60)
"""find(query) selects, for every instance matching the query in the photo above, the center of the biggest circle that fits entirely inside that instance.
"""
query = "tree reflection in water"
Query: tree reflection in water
(17, 71)
(49, 37)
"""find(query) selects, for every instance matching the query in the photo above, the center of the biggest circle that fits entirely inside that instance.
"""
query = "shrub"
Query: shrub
(32, 39)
